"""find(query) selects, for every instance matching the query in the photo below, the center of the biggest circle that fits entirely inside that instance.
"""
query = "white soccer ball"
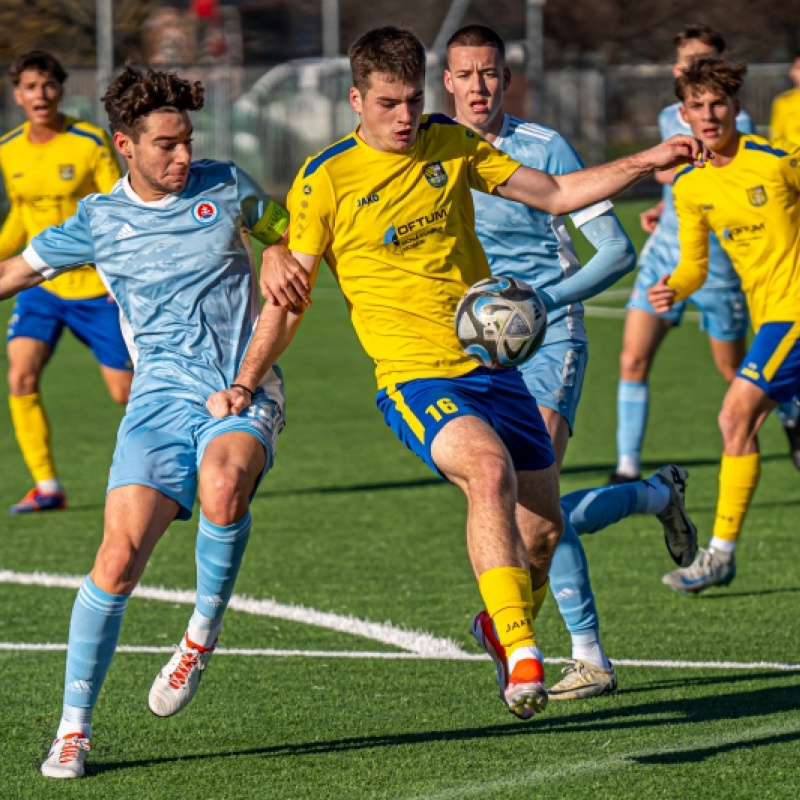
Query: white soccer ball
(501, 322)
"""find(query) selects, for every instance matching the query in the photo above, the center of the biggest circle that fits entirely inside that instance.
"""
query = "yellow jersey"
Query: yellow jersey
(44, 183)
(784, 121)
(397, 230)
(753, 206)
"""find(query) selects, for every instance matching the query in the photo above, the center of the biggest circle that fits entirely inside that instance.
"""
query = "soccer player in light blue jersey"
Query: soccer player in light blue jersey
(721, 302)
(204, 411)
(535, 247)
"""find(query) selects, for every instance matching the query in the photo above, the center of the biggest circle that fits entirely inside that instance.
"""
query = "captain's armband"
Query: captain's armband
(272, 225)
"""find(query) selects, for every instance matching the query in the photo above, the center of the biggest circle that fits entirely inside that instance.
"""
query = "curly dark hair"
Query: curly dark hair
(713, 75)
(389, 50)
(138, 91)
(41, 61)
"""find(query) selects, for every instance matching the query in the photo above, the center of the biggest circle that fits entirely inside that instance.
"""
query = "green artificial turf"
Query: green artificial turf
(349, 522)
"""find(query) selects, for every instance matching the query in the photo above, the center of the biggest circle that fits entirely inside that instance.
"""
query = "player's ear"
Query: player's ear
(356, 101)
(737, 106)
(448, 81)
(682, 112)
(506, 78)
(123, 144)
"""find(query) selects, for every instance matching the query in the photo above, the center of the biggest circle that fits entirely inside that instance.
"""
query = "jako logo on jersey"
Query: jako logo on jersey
(365, 201)
(435, 174)
(757, 196)
(66, 171)
(205, 211)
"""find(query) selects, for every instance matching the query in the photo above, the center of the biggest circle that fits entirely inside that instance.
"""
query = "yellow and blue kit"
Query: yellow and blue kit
(44, 183)
(397, 230)
(753, 206)
(784, 123)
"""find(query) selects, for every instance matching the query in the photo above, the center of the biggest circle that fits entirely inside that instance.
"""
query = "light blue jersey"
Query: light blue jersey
(180, 273)
(661, 253)
(528, 244)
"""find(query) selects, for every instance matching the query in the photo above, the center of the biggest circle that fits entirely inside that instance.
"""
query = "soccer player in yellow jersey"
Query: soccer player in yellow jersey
(49, 163)
(749, 195)
(784, 121)
(390, 209)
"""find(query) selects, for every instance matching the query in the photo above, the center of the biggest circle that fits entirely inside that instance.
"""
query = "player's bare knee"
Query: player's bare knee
(114, 566)
(492, 477)
(224, 496)
(22, 381)
(633, 366)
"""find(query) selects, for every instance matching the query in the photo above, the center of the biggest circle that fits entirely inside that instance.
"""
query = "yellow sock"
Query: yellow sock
(32, 430)
(506, 591)
(738, 478)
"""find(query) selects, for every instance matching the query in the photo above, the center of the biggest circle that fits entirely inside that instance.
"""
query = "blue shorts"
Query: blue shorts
(554, 376)
(723, 310)
(41, 315)
(417, 410)
(773, 361)
(161, 445)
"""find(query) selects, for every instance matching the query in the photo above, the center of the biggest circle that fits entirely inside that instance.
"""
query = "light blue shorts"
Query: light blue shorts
(161, 445)
(554, 376)
(723, 310)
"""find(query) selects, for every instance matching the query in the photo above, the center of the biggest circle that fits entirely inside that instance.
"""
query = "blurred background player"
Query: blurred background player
(535, 247)
(721, 302)
(48, 164)
(749, 194)
(784, 120)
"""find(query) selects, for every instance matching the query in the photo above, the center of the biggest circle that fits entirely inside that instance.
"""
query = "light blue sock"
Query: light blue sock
(569, 581)
(591, 510)
(218, 553)
(93, 636)
(633, 403)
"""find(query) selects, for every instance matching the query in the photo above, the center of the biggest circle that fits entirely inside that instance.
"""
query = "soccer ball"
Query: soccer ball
(500, 322)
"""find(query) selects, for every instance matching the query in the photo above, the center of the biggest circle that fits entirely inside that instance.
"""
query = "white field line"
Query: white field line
(420, 643)
(460, 656)
(530, 778)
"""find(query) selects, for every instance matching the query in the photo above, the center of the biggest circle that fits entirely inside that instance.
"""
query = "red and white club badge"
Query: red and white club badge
(205, 211)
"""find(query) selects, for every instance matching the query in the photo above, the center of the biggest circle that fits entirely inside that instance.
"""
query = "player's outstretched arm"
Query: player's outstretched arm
(274, 331)
(614, 257)
(17, 274)
(562, 194)
(283, 281)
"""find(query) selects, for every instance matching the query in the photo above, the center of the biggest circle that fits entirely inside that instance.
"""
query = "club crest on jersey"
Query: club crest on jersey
(66, 171)
(205, 212)
(435, 174)
(757, 196)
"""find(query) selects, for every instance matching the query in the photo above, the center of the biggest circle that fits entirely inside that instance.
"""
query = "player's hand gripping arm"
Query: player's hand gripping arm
(283, 281)
(614, 258)
(17, 274)
(275, 329)
(562, 194)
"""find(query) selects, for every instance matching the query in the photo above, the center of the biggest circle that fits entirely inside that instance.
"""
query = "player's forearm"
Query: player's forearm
(688, 277)
(273, 334)
(15, 275)
(12, 234)
(614, 257)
